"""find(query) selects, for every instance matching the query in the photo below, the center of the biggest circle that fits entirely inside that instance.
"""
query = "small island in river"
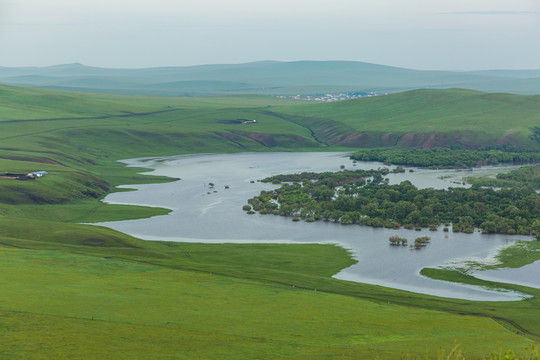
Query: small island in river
(364, 197)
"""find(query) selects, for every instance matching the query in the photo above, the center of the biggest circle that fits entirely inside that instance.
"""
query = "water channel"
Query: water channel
(201, 213)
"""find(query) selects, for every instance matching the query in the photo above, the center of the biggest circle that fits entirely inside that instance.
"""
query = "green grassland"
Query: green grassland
(75, 306)
(70, 290)
(426, 118)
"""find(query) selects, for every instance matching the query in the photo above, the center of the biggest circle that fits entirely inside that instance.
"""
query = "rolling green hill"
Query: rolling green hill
(78, 130)
(420, 118)
(425, 118)
(265, 77)
(76, 291)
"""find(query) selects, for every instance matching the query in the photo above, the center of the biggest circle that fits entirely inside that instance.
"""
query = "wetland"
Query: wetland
(207, 206)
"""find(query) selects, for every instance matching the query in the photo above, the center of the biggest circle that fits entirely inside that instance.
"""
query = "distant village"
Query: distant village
(331, 97)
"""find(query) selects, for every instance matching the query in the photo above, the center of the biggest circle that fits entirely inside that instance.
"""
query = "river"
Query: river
(201, 213)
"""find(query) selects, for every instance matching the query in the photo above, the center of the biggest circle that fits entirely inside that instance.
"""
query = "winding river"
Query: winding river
(214, 215)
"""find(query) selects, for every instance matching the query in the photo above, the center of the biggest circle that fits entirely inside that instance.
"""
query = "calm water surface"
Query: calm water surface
(215, 215)
(528, 275)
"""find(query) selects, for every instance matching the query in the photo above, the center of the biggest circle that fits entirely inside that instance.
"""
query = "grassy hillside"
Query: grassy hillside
(77, 137)
(75, 291)
(42, 117)
(425, 118)
(265, 77)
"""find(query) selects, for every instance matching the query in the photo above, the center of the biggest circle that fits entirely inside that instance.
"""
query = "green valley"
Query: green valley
(75, 291)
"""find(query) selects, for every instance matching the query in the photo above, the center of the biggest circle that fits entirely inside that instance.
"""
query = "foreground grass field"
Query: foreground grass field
(60, 304)
(72, 291)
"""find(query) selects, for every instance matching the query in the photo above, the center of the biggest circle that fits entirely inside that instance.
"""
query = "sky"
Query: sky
(417, 34)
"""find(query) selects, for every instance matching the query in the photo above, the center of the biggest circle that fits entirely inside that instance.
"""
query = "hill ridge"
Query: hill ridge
(267, 78)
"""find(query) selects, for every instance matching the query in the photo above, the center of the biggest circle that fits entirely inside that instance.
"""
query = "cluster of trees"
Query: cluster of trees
(349, 198)
(418, 242)
(421, 241)
(333, 180)
(525, 176)
(396, 240)
(329, 178)
(445, 157)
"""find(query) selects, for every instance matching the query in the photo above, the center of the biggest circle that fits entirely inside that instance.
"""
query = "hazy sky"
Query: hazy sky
(419, 34)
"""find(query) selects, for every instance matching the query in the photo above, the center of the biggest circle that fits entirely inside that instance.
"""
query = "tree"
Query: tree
(489, 227)
(346, 220)
(403, 208)
(535, 229)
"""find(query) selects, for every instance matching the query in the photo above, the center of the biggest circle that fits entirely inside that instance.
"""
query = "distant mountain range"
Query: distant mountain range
(266, 78)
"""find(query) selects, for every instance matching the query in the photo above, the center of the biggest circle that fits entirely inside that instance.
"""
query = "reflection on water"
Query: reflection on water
(202, 213)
